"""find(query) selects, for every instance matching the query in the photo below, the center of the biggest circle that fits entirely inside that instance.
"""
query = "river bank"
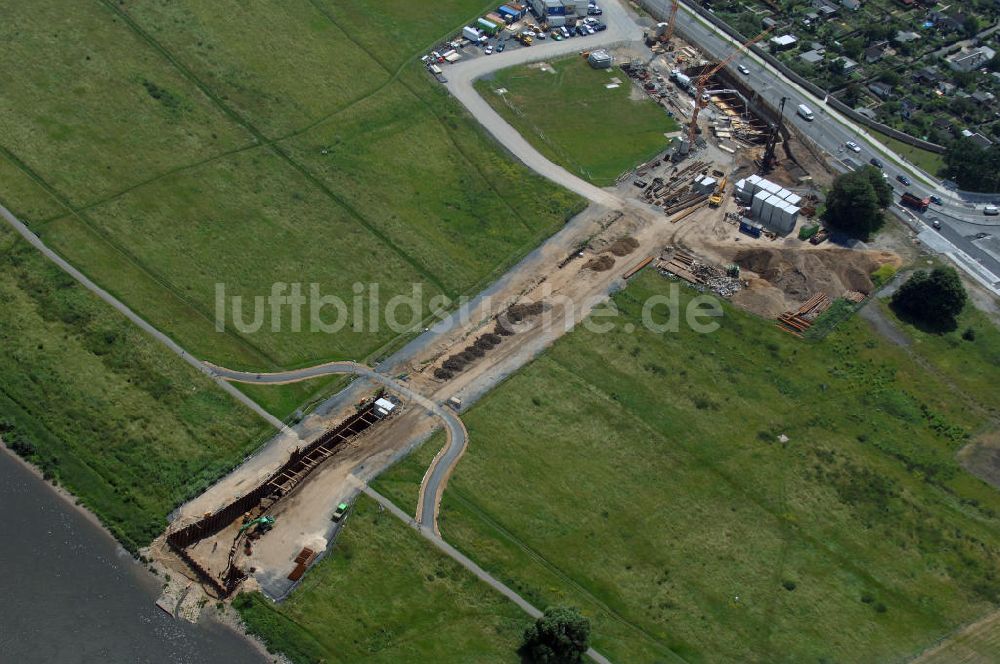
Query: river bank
(73, 594)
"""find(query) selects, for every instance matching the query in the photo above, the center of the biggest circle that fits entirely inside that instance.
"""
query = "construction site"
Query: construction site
(221, 548)
(720, 208)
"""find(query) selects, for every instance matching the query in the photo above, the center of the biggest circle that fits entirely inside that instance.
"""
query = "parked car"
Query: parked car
(936, 223)
(589, 29)
(595, 11)
(565, 33)
(541, 34)
(991, 210)
(556, 35)
(580, 31)
(488, 50)
(600, 26)
(936, 200)
(905, 180)
(501, 46)
(877, 163)
(743, 70)
(851, 145)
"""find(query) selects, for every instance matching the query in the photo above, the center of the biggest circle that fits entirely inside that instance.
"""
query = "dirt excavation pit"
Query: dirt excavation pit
(780, 279)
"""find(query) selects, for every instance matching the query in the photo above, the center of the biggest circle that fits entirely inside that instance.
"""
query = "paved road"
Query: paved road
(830, 131)
(621, 30)
(466, 562)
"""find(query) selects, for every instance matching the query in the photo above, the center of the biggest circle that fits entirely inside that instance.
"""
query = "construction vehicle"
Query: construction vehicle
(339, 513)
(715, 200)
(699, 100)
(263, 523)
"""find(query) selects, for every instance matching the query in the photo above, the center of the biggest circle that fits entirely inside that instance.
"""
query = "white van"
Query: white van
(806, 113)
(991, 210)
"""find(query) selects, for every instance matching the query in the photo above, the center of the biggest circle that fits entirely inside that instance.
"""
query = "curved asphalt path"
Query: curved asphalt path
(622, 29)
(436, 478)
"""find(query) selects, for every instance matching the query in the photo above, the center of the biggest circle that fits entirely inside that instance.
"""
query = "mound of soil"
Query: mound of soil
(601, 263)
(801, 274)
(623, 246)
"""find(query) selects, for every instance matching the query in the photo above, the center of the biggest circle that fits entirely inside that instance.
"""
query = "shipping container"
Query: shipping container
(488, 27)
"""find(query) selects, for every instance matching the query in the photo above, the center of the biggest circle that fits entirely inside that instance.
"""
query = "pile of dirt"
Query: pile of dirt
(623, 246)
(601, 263)
(800, 274)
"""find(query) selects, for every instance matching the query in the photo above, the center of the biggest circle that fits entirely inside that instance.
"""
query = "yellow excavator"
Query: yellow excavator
(715, 200)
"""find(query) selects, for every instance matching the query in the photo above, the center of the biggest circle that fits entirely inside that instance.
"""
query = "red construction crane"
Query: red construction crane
(703, 79)
(674, 6)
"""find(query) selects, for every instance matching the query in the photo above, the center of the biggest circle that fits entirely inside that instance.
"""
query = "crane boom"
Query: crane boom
(703, 79)
(674, 6)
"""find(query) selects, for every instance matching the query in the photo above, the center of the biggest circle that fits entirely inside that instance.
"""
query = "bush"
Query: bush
(807, 232)
(883, 275)
(969, 334)
(560, 635)
(933, 298)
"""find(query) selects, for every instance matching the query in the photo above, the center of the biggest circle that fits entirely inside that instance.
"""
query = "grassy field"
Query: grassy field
(930, 162)
(640, 477)
(284, 400)
(188, 144)
(969, 364)
(385, 595)
(103, 409)
(572, 118)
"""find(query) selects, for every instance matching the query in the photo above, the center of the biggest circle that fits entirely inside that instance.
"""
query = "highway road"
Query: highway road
(830, 131)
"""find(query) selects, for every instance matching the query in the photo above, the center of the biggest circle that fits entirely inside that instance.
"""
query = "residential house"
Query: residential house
(946, 88)
(881, 90)
(826, 10)
(810, 18)
(928, 75)
(769, 23)
(849, 65)
(906, 108)
(983, 96)
(811, 57)
(874, 52)
(977, 138)
(905, 36)
(945, 23)
(784, 42)
(853, 5)
(970, 59)
(943, 124)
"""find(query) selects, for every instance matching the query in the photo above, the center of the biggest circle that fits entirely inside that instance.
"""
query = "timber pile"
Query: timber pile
(798, 321)
(703, 276)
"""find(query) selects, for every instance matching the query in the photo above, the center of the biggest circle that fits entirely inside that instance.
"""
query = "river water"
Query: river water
(69, 593)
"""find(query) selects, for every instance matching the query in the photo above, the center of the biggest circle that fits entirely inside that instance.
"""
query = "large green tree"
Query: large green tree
(972, 167)
(854, 204)
(934, 298)
(560, 636)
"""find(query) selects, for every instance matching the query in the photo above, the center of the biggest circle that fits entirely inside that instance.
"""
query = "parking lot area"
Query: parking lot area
(511, 27)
